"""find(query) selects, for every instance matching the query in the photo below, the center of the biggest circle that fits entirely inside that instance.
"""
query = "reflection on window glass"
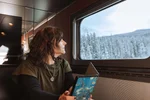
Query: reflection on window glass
(118, 32)
(3, 53)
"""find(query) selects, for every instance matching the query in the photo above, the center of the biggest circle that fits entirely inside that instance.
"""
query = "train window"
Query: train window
(121, 31)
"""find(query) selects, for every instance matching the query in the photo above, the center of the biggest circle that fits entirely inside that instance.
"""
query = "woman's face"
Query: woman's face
(60, 49)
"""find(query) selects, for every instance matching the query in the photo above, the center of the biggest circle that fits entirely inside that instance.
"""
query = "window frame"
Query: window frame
(75, 30)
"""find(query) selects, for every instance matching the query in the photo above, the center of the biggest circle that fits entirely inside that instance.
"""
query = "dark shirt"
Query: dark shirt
(31, 89)
(35, 81)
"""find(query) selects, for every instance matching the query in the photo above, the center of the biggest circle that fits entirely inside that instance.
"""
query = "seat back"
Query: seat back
(8, 89)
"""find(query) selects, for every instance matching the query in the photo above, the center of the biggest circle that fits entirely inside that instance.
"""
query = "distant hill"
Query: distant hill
(140, 32)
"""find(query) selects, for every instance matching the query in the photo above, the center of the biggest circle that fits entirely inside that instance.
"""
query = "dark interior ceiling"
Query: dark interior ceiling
(31, 11)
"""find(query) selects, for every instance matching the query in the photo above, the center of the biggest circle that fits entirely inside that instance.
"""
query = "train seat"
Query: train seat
(8, 89)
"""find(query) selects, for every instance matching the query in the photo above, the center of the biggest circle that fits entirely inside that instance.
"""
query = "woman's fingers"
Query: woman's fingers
(90, 97)
(67, 93)
(70, 89)
(70, 98)
(65, 96)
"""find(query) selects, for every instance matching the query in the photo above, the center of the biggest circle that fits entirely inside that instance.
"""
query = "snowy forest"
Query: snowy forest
(133, 45)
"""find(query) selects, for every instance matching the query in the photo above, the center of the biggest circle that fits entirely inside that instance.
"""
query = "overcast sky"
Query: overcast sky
(127, 16)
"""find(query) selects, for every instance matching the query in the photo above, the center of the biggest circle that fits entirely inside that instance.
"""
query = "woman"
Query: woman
(44, 75)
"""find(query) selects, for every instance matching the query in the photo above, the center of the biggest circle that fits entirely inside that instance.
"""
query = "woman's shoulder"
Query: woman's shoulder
(27, 68)
(62, 61)
(65, 65)
(26, 62)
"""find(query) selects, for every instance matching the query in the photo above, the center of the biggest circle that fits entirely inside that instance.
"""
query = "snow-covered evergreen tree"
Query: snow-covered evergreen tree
(122, 46)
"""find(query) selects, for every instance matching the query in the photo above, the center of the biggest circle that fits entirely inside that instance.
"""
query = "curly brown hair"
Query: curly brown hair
(43, 44)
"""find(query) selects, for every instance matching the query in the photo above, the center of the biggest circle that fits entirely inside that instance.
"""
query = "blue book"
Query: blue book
(84, 85)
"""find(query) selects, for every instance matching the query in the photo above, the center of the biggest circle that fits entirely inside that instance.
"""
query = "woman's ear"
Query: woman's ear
(55, 44)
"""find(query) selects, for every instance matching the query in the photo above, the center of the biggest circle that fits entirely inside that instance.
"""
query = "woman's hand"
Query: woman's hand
(65, 96)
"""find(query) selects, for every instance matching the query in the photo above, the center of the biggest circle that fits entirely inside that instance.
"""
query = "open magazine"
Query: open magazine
(84, 85)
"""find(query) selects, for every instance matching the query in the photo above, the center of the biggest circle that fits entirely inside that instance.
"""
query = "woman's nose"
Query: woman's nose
(65, 42)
